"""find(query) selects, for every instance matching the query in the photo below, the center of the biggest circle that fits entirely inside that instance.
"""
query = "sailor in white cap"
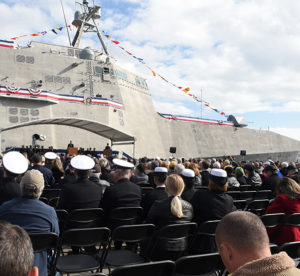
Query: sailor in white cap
(188, 177)
(49, 157)
(123, 193)
(14, 164)
(159, 176)
(211, 204)
(82, 193)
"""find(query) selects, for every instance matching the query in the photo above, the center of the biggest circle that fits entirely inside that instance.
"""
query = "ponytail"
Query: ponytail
(176, 207)
(175, 186)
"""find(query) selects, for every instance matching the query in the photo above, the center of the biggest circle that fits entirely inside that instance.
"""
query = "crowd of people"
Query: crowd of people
(183, 191)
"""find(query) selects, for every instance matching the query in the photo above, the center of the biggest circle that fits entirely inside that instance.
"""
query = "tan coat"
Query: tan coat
(276, 265)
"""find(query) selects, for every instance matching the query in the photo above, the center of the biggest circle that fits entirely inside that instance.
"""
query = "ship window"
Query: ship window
(49, 78)
(138, 82)
(66, 80)
(121, 75)
(24, 111)
(20, 58)
(70, 52)
(57, 79)
(13, 110)
(30, 60)
(105, 70)
(77, 53)
(98, 70)
(24, 119)
(13, 119)
(34, 112)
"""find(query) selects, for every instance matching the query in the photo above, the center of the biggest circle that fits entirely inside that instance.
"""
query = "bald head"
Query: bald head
(243, 231)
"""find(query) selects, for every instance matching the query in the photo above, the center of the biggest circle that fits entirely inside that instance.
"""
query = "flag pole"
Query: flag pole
(62, 7)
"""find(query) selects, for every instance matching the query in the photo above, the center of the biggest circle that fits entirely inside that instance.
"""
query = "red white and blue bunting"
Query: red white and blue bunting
(43, 94)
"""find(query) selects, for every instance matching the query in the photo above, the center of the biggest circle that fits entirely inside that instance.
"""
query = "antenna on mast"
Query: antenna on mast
(62, 7)
(83, 23)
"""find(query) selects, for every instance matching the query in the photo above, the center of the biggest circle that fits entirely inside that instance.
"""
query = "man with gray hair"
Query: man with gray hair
(32, 214)
(243, 244)
(16, 253)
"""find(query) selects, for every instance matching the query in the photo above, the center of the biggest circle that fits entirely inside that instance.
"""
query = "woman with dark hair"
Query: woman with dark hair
(287, 201)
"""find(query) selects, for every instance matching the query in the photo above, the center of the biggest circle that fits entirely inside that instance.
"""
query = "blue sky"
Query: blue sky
(244, 55)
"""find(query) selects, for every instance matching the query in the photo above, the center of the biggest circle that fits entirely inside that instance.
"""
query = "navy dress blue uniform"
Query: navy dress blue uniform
(9, 189)
(48, 175)
(34, 216)
(148, 199)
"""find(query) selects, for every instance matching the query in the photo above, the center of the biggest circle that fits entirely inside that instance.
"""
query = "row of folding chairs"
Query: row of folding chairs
(248, 195)
(257, 206)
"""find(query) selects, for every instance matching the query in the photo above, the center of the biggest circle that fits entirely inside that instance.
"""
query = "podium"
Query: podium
(72, 151)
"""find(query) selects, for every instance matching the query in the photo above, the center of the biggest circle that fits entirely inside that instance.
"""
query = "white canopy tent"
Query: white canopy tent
(116, 137)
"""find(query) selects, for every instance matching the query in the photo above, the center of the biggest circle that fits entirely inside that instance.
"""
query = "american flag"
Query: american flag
(7, 43)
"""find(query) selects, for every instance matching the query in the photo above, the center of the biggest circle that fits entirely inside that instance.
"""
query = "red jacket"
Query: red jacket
(283, 204)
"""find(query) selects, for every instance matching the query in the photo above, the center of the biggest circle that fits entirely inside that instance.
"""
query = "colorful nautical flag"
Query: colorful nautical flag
(116, 42)
(59, 28)
(186, 90)
(7, 43)
(34, 34)
(154, 74)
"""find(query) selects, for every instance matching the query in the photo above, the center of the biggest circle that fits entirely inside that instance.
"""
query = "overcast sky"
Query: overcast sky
(243, 54)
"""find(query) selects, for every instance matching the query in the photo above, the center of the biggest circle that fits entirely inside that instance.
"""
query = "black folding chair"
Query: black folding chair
(146, 190)
(263, 194)
(258, 206)
(62, 219)
(54, 202)
(129, 234)
(292, 249)
(81, 238)
(163, 268)
(204, 241)
(274, 248)
(45, 241)
(44, 199)
(244, 188)
(84, 218)
(273, 220)
(171, 241)
(247, 195)
(293, 220)
(125, 216)
(240, 204)
(50, 193)
(199, 265)
(234, 194)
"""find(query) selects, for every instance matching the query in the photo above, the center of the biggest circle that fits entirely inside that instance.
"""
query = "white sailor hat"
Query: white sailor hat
(50, 155)
(15, 162)
(218, 173)
(82, 162)
(160, 170)
(188, 173)
(122, 164)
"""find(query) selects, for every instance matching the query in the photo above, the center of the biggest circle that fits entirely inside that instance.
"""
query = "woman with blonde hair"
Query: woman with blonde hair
(172, 209)
(287, 201)
(57, 170)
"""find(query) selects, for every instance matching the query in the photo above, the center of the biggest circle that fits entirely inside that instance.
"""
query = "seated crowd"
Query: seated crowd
(169, 191)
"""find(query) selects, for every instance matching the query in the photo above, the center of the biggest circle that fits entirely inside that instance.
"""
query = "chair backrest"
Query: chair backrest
(85, 237)
(199, 264)
(54, 201)
(240, 204)
(125, 215)
(163, 268)
(176, 231)
(234, 194)
(43, 241)
(61, 214)
(263, 194)
(247, 195)
(273, 220)
(146, 190)
(258, 206)
(293, 220)
(49, 193)
(208, 228)
(44, 199)
(245, 187)
(133, 233)
(274, 248)
(292, 249)
(85, 215)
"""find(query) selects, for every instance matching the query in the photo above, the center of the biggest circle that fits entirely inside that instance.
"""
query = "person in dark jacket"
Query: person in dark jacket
(159, 193)
(205, 173)
(240, 176)
(123, 193)
(188, 177)
(82, 193)
(139, 176)
(211, 204)
(37, 161)
(252, 177)
(105, 170)
(14, 164)
(272, 179)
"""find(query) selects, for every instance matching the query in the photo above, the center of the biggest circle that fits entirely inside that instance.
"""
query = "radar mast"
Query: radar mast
(85, 22)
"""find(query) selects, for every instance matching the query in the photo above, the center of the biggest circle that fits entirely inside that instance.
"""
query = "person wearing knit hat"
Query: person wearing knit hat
(211, 204)
(32, 214)
(83, 193)
(14, 164)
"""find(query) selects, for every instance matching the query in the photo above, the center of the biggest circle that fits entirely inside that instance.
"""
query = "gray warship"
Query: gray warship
(62, 93)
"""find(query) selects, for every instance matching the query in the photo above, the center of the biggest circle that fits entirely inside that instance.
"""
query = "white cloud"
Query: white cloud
(290, 132)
